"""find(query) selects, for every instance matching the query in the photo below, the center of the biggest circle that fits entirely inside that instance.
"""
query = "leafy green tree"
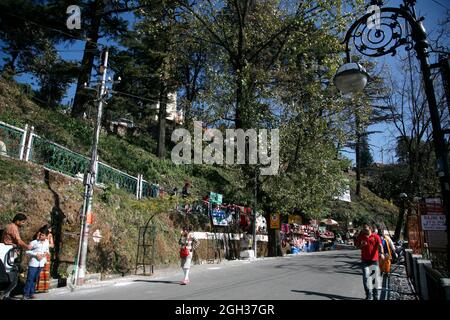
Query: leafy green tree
(365, 154)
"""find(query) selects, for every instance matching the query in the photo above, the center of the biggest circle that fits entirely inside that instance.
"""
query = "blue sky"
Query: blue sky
(384, 142)
(434, 11)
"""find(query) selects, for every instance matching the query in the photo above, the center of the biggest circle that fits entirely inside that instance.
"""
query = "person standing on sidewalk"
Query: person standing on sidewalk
(371, 250)
(39, 249)
(188, 243)
(43, 283)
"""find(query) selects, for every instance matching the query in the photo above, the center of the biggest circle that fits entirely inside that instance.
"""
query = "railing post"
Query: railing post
(415, 269)
(445, 284)
(408, 254)
(137, 186)
(22, 142)
(29, 145)
(423, 277)
(141, 181)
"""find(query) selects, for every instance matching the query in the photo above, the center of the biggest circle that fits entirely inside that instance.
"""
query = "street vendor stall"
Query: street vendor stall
(299, 238)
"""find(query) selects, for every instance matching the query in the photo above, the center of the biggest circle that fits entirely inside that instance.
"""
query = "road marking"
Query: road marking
(123, 284)
(215, 268)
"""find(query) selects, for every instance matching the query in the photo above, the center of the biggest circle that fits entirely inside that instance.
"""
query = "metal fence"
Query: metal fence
(56, 157)
(108, 175)
(24, 144)
(12, 141)
(145, 189)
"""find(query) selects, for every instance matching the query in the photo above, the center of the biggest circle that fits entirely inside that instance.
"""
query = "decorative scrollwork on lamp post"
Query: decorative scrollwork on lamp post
(388, 35)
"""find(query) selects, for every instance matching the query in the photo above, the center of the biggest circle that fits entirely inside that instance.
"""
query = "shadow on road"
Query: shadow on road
(158, 281)
(327, 295)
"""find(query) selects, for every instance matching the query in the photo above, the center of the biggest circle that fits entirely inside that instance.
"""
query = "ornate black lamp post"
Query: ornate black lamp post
(378, 40)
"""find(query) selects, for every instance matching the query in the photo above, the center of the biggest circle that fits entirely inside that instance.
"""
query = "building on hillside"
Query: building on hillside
(172, 114)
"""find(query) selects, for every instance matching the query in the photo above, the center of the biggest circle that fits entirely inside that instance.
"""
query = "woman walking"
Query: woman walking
(43, 283)
(188, 243)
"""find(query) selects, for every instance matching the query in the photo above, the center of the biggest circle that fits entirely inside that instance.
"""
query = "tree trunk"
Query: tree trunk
(162, 121)
(81, 96)
(358, 157)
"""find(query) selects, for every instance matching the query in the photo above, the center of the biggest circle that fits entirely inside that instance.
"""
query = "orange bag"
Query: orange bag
(385, 264)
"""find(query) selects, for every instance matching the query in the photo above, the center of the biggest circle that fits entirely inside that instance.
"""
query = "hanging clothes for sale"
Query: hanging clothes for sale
(244, 222)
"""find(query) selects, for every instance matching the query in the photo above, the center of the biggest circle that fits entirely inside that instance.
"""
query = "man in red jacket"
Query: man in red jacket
(371, 250)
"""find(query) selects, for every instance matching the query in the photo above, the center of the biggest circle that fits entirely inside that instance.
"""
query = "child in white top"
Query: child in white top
(39, 248)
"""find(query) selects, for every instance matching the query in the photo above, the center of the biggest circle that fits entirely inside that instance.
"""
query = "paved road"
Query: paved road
(330, 275)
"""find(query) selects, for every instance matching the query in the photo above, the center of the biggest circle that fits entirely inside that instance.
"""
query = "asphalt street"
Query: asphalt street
(330, 275)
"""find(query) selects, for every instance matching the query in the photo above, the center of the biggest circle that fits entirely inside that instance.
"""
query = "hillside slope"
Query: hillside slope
(46, 196)
(133, 155)
(49, 197)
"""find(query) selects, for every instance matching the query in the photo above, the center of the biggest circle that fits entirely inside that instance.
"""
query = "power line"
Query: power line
(54, 29)
(133, 96)
(435, 1)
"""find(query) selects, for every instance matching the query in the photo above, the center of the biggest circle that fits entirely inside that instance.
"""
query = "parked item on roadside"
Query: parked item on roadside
(9, 270)
(188, 243)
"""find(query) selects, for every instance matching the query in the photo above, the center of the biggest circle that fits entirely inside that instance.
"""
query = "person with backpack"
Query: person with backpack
(389, 250)
(188, 243)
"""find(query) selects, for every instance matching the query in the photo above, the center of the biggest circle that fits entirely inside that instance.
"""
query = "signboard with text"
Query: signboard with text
(275, 221)
(433, 222)
(220, 217)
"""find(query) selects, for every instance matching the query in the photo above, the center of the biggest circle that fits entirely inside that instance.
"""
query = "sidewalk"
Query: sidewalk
(399, 287)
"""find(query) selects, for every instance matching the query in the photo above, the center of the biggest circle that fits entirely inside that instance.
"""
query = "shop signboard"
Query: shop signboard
(275, 221)
(220, 217)
(215, 198)
(434, 206)
(433, 222)
(293, 218)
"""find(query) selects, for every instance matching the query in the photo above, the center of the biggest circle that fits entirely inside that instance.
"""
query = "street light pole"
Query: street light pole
(90, 178)
(385, 40)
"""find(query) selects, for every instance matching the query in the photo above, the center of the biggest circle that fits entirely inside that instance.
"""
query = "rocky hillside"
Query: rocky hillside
(48, 197)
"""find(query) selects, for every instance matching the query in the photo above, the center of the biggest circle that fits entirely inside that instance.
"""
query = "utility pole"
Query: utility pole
(89, 183)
